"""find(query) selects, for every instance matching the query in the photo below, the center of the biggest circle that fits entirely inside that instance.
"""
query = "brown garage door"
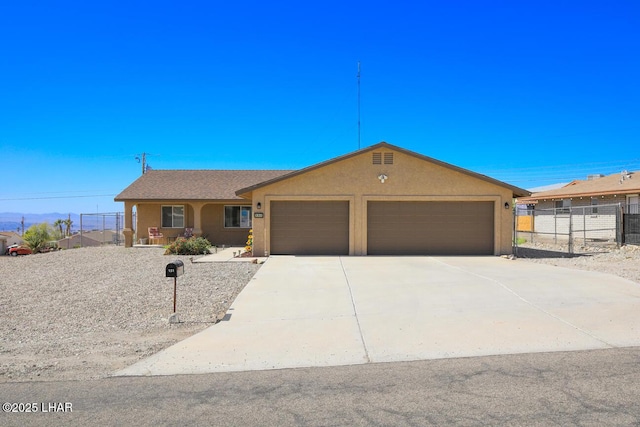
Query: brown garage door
(310, 228)
(430, 228)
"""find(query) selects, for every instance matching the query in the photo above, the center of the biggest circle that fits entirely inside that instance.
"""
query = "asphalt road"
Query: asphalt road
(598, 387)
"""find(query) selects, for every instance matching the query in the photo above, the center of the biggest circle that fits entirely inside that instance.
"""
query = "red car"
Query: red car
(15, 250)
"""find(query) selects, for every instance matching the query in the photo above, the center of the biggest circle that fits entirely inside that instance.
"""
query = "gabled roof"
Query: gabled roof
(617, 183)
(517, 192)
(194, 184)
(10, 234)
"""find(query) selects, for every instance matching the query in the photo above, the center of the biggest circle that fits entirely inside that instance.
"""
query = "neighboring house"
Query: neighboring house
(77, 240)
(379, 200)
(104, 237)
(619, 188)
(598, 201)
(12, 238)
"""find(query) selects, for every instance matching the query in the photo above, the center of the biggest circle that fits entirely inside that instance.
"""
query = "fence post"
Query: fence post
(533, 222)
(620, 226)
(555, 225)
(584, 227)
(570, 230)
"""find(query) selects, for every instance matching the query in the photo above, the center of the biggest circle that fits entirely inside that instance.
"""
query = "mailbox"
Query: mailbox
(175, 269)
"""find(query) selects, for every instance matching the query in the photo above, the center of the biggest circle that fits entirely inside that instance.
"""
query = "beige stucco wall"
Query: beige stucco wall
(355, 179)
(213, 226)
(150, 215)
(207, 219)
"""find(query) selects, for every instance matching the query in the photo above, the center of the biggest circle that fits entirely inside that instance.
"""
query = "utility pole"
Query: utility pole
(22, 224)
(143, 159)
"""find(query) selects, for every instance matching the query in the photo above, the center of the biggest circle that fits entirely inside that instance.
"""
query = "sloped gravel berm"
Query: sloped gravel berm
(323, 311)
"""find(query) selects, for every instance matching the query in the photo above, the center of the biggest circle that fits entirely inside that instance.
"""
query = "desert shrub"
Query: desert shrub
(190, 246)
(37, 236)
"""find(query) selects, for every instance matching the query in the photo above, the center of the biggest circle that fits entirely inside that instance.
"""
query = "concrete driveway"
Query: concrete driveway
(327, 311)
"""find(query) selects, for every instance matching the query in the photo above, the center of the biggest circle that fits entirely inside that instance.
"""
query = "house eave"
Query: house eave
(536, 199)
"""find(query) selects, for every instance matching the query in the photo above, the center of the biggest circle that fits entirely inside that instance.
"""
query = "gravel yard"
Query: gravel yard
(623, 262)
(85, 313)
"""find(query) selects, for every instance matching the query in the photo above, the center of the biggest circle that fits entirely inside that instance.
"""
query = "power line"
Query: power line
(60, 192)
(58, 197)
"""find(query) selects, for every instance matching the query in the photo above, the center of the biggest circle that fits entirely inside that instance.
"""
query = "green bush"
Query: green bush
(190, 246)
(37, 236)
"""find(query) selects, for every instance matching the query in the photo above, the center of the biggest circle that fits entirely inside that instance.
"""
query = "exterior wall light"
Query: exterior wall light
(259, 205)
(506, 205)
(382, 177)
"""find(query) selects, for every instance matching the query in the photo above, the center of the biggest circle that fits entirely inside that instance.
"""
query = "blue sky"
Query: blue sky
(531, 93)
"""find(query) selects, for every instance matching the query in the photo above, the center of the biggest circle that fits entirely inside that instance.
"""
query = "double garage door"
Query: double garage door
(393, 228)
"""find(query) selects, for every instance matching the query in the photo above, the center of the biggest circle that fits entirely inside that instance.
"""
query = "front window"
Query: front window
(237, 216)
(563, 206)
(594, 206)
(173, 216)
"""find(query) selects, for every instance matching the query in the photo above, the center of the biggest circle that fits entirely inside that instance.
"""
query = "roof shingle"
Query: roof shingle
(610, 184)
(194, 184)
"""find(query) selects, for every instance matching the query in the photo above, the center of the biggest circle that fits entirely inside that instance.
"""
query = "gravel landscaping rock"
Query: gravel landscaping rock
(623, 262)
(85, 313)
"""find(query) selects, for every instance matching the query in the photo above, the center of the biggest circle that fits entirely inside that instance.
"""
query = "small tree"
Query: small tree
(37, 236)
(57, 224)
(68, 223)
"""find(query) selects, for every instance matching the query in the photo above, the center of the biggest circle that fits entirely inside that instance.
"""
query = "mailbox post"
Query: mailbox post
(174, 269)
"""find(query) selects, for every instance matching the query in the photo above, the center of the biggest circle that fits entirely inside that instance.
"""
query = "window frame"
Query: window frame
(174, 216)
(594, 206)
(632, 208)
(565, 209)
(241, 208)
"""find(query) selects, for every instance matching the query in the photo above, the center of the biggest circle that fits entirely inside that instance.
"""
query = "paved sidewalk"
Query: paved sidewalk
(227, 255)
(324, 311)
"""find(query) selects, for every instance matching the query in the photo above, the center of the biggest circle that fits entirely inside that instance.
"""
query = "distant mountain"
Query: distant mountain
(12, 221)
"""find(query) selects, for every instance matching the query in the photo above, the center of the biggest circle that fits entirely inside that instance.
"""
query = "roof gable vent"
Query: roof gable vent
(378, 158)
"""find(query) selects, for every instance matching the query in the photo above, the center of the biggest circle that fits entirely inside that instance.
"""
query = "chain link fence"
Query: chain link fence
(570, 228)
(100, 229)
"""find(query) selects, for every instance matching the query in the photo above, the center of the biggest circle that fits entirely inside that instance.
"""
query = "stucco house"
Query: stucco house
(11, 238)
(594, 208)
(380, 200)
(619, 188)
(78, 240)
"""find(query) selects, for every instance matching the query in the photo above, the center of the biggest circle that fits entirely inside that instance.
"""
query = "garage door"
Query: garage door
(310, 228)
(430, 228)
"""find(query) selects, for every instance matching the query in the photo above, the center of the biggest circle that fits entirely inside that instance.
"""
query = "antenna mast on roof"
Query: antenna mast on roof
(358, 105)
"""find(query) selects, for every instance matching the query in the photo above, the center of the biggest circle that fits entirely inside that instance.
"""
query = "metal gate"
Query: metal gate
(632, 229)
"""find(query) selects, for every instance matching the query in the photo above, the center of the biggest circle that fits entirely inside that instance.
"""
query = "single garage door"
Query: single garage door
(430, 228)
(310, 228)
